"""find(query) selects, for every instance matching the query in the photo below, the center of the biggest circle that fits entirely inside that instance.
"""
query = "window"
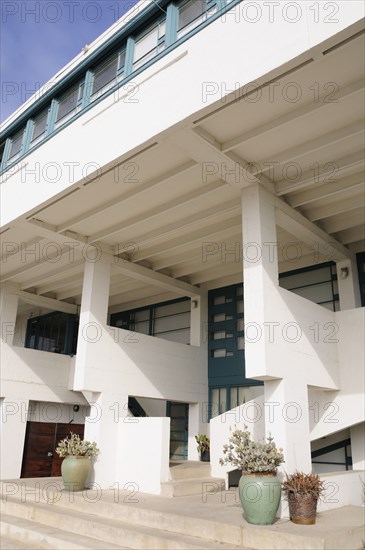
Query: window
(361, 272)
(55, 332)
(316, 283)
(69, 104)
(2, 148)
(39, 127)
(149, 43)
(170, 320)
(15, 146)
(192, 13)
(108, 74)
(218, 401)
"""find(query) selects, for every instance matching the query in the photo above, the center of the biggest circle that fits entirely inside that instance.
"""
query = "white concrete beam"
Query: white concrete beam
(158, 211)
(43, 301)
(330, 172)
(154, 183)
(309, 233)
(296, 115)
(136, 271)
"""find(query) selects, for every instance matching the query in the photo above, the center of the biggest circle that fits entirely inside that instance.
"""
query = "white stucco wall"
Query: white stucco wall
(183, 75)
(145, 366)
(137, 438)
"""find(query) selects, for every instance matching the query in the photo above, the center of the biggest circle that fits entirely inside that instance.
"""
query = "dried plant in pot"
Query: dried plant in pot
(303, 491)
(259, 488)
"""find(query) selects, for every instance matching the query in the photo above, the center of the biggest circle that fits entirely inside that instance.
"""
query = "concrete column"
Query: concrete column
(348, 284)
(93, 315)
(357, 434)
(8, 310)
(260, 272)
(287, 420)
(106, 413)
(13, 423)
(199, 320)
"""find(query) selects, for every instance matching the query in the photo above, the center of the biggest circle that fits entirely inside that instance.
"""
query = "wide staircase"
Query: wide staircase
(41, 514)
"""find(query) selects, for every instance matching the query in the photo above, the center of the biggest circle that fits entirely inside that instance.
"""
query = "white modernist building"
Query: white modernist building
(183, 243)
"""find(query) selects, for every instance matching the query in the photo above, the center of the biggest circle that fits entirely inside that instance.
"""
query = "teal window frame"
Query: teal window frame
(160, 43)
(70, 325)
(82, 73)
(128, 321)
(77, 88)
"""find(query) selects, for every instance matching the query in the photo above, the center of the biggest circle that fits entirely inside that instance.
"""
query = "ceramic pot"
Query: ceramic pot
(260, 497)
(75, 472)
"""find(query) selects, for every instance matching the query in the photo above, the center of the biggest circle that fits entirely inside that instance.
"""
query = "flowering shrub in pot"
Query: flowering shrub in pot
(76, 466)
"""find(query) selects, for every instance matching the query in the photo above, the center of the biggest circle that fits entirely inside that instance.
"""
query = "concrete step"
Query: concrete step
(215, 517)
(194, 486)
(23, 533)
(33, 521)
(189, 470)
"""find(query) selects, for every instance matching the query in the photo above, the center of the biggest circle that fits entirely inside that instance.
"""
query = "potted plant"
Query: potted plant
(259, 487)
(76, 465)
(303, 491)
(203, 447)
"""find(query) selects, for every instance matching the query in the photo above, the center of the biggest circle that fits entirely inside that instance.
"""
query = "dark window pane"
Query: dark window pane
(67, 103)
(104, 75)
(16, 145)
(191, 11)
(39, 128)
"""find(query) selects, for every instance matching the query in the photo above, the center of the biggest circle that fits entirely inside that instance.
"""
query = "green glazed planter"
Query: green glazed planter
(260, 497)
(75, 472)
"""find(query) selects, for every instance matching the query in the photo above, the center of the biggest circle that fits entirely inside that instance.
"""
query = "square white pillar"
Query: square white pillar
(348, 284)
(93, 316)
(8, 309)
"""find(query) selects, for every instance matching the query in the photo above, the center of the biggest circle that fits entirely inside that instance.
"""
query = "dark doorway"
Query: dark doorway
(179, 414)
(41, 438)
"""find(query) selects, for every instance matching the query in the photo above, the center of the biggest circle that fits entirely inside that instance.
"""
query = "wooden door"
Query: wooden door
(39, 457)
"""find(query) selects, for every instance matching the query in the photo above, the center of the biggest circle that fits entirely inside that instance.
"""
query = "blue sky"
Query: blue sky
(38, 37)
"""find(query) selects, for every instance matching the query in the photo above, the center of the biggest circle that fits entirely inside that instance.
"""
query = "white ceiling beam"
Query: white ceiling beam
(140, 273)
(205, 149)
(58, 285)
(306, 231)
(217, 273)
(54, 275)
(193, 222)
(346, 205)
(132, 194)
(188, 241)
(352, 235)
(292, 116)
(325, 190)
(78, 242)
(42, 301)
(329, 172)
(18, 248)
(125, 302)
(159, 211)
(35, 265)
(311, 146)
(344, 221)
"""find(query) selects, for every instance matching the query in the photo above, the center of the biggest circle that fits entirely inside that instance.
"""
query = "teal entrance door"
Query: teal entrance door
(179, 414)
